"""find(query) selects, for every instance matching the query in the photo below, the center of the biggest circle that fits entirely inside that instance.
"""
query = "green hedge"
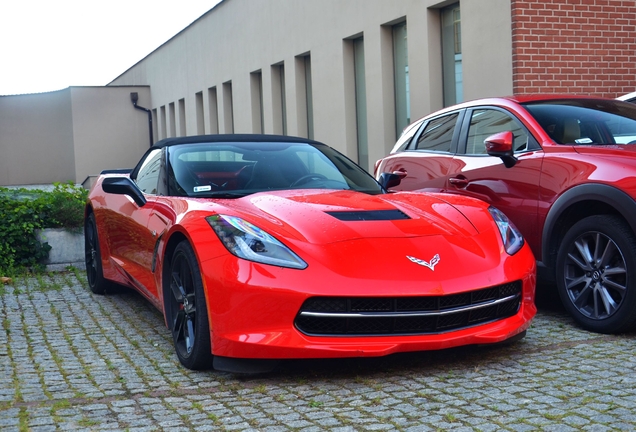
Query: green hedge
(22, 211)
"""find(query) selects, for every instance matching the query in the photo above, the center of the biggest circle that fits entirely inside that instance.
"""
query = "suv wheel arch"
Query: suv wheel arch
(609, 198)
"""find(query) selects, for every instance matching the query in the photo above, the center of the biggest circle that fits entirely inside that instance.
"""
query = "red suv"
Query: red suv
(564, 172)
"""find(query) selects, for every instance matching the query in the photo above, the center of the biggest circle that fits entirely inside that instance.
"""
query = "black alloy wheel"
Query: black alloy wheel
(596, 267)
(93, 258)
(188, 314)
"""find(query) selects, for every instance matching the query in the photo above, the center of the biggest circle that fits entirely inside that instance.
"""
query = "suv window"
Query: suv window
(487, 122)
(583, 121)
(438, 134)
(406, 137)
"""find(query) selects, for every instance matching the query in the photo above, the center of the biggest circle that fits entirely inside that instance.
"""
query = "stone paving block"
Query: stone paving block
(521, 427)
(598, 428)
(419, 428)
(46, 428)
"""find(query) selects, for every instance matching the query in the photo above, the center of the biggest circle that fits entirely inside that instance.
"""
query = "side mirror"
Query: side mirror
(124, 186)
(389, 180)
(500, 145)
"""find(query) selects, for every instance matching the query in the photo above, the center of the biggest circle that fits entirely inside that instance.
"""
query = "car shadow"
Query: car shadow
(547, 298)
(444, 361)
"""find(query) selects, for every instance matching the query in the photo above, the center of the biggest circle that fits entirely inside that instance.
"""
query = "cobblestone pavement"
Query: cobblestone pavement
(71, 360)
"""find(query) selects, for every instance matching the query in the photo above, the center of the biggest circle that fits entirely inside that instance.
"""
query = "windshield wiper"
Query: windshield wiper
(223, 194)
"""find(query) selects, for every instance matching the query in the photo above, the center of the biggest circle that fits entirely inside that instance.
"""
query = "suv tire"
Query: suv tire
(594, 264)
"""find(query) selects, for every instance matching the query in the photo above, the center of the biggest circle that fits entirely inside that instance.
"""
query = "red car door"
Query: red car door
(131, 234)
(515, 191)
(427, 159)
(127, 236)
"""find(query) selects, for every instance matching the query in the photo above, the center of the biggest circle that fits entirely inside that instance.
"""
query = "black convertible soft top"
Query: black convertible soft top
(231, 138)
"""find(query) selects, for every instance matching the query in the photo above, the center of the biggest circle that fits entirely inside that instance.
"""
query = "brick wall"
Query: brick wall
(574, 46)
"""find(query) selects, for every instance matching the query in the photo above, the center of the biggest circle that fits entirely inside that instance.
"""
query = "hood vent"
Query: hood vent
(371, 215)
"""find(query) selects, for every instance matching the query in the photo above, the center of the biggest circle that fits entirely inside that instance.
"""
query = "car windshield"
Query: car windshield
(586, 121)
(236, 169)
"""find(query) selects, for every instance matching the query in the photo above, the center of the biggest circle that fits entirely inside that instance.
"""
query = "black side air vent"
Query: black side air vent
(372, 215)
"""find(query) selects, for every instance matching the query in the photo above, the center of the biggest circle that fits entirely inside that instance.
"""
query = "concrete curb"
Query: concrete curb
(67, 248)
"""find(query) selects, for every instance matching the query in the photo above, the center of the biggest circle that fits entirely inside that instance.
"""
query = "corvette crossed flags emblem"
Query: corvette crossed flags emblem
(430, 265)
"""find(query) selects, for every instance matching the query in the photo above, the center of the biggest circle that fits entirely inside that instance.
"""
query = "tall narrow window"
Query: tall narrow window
(228, 108)
(452, 55)
(283, 98)
(214, 110)
(310, 98)
(401, 78)
(361, 102)
(182, 118)
(172, 120)
(279, 105)
(199, 112)
(155, 124)
(304, 96)
(164, 127)
(256, 83)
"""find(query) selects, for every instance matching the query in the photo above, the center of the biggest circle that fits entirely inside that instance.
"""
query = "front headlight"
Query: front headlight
(512, 238)
(249, 242)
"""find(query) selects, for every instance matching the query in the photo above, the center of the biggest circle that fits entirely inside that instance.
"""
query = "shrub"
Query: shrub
(66, 206)
(22, 211)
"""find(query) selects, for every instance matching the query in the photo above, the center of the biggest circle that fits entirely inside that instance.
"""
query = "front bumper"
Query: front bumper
(253, 307)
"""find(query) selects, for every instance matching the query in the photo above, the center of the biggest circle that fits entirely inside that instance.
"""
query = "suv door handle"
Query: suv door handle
(458, 182)
(400, 172)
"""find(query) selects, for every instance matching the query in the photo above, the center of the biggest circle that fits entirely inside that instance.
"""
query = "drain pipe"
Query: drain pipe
(134, 97)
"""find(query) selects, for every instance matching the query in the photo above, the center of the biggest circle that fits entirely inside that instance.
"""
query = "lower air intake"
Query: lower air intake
(381, 316)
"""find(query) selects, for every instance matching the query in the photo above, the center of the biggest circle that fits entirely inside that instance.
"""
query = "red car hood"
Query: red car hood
(315, 215)
(608, 150)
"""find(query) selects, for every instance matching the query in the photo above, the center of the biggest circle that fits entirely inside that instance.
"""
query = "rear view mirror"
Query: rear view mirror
(500, 145)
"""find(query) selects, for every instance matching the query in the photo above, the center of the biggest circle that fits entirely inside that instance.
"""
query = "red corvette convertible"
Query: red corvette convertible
(260, 248)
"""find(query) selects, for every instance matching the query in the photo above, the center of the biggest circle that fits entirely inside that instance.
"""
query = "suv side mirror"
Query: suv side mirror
(389, 180)
(500, 145)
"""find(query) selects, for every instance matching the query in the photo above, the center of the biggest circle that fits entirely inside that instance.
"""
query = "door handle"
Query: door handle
(458, 182)
(400, 173)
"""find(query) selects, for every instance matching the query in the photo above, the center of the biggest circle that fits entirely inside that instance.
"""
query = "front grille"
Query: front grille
(350, 316)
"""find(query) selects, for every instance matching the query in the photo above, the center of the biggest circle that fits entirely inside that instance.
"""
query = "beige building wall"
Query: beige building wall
(487, 48)
(204, 78)
(108, 132)
(36, 138)
(70, 134)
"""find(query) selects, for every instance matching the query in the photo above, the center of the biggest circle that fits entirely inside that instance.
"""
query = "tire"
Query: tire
(596, 274)
(188, 314)
(93, 257)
